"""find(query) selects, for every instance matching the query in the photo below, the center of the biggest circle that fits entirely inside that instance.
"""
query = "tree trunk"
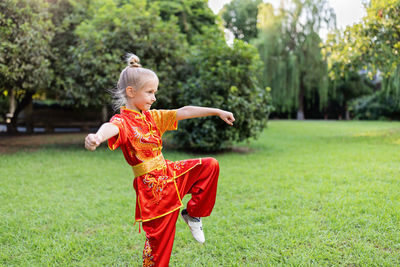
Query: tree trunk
(346, 108)
(11, 112)
(12, 126)
(12, 103)
(300, 110)
(104, 113)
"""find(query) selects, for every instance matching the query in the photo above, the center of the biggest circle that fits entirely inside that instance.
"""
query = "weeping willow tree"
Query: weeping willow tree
(372, 45)
(290, 47)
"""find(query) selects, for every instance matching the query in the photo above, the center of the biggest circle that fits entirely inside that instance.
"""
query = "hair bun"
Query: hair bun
(133, 61)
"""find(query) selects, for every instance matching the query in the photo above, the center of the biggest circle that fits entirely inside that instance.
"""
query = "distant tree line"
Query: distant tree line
(355, 72)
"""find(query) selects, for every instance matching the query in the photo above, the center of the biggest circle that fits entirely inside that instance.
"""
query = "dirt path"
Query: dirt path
(11, 144)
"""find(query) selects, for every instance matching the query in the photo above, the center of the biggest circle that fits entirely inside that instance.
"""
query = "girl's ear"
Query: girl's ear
(130, 92)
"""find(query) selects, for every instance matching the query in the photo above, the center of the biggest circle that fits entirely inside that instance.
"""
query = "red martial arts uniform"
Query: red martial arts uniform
(160, 184)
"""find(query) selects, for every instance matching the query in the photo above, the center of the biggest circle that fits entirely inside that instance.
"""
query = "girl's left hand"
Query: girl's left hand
(227, 117)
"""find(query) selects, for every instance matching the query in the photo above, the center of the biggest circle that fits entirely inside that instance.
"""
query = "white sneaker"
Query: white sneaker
(195, 226)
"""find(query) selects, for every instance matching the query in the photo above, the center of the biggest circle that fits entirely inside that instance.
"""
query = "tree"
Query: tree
(25, 32)
(66, 16)
(193, 16)
(290, 47)
(371, 45)
(240, 17)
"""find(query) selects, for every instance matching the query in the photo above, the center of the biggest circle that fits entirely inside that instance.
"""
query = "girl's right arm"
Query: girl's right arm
(106, 131)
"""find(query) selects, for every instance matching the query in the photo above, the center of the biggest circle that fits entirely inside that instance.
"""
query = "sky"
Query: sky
(347, 12)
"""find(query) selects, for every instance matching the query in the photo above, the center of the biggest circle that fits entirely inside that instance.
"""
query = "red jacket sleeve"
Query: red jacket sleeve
(119, 139)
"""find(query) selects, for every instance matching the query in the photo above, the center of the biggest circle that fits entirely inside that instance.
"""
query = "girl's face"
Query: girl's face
(143, 98)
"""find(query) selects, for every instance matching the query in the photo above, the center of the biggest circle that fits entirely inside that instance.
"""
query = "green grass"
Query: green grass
(309, 193)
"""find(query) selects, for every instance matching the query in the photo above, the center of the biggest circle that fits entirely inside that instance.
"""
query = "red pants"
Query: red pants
(201, 182)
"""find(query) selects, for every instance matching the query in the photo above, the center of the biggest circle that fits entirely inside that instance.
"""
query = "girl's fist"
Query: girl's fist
(227, 117)
(92, 141)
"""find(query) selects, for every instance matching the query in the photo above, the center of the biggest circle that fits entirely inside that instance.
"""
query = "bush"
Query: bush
(377, 106)
(223, 77)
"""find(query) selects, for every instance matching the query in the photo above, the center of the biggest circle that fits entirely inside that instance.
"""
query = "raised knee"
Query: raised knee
(213, 162)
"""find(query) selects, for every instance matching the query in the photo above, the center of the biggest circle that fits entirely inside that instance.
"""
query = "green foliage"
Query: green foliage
(66, 16)
(111, 30)
(289, 46)
(223, 77)
(193, 16)
(25, 33)
(376, 106)
(349, 87)
(240, 17)
(373, 44)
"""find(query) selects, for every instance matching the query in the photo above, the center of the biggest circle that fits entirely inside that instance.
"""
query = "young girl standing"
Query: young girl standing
(159, 183)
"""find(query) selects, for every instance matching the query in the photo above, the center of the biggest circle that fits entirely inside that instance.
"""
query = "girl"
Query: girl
(159, 183)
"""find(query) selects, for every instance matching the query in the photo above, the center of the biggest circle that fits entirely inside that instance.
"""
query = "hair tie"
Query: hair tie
(133, 61)
(133, 64)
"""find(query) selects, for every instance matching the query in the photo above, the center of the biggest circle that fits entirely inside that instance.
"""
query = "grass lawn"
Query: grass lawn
(308, 193)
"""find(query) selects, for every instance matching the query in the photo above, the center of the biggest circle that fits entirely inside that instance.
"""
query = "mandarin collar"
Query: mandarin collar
(128, 111)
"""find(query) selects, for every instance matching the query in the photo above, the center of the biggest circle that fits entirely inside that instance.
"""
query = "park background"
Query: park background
(322, 189)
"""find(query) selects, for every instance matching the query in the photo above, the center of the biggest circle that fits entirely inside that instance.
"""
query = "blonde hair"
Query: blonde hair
(133, 75)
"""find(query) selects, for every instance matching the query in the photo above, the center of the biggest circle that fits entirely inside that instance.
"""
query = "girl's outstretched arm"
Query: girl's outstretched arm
(188, 112)
(106, 131)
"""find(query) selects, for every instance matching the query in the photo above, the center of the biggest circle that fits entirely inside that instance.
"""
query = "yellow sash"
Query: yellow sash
(149, 165)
